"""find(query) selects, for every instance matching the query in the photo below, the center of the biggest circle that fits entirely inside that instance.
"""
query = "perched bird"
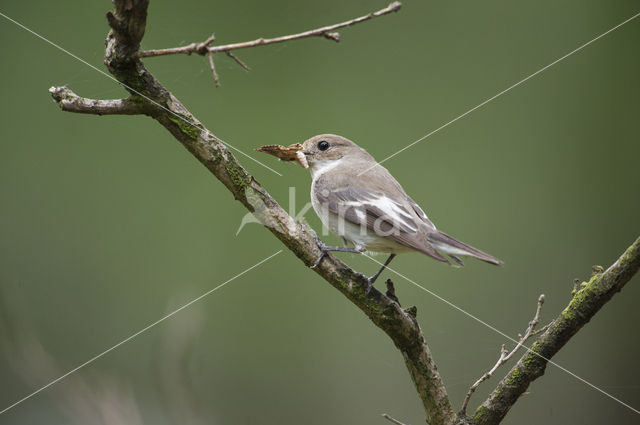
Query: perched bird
(360, 201)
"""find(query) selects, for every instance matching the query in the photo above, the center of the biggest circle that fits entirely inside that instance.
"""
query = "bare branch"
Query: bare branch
(201, 48)
(71, 102)
(583, 306)
(327, 32)
(390, 419)
(506, 355)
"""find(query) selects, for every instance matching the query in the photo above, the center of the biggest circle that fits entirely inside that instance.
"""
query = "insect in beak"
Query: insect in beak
(302, 159)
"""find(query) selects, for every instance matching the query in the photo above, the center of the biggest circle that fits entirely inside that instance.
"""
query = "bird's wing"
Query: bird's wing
(421, 214)
(388, 213)
(364, 207)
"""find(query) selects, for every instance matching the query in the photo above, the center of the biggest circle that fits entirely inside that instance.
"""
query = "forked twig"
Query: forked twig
(206, 48)
(326, 32)
(506, 355)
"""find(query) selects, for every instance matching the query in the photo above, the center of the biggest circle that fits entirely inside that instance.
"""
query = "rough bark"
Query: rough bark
(71, 102)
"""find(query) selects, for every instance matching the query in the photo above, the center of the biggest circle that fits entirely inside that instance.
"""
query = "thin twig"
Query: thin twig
(203, 47)
(326, 32)
(541, 330)
(238, 61)
(216, 77)
(199, 48)
(506, 355)
(389, 418)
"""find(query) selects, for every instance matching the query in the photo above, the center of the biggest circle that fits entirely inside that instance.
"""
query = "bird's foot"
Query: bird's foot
(326, 248)
(323, 247)
(369, 286)
(319, 259)
(370, 281)
(373, 278)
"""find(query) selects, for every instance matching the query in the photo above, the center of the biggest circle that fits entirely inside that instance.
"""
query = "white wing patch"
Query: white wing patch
(394, 211)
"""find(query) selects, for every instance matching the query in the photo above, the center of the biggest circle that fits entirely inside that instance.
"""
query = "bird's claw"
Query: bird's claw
(319, 259)
(324, 250)
(369, 286)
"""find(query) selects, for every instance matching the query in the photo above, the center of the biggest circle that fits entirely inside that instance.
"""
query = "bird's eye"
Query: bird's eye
(323, 145)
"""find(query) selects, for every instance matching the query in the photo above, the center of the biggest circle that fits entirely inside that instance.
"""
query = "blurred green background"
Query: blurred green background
(107, 223)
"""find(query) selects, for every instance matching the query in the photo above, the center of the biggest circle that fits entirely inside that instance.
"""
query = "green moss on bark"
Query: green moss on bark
(185, 127)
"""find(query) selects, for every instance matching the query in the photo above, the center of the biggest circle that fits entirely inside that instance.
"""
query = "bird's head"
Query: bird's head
(323, 149)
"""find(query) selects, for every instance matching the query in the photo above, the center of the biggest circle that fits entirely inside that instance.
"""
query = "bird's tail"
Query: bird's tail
(445, 243)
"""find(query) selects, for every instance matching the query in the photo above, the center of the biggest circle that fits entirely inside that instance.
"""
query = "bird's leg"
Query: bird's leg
(326, 248)
(373, 278)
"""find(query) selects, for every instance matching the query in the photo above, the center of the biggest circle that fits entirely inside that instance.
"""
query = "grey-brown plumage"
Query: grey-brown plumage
(359, 200)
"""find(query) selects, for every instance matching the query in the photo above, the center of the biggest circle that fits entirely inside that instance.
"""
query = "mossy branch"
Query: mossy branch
(583, 306)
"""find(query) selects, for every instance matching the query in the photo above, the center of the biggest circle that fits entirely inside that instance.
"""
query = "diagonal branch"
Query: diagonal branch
(71, 102)
(582, 307)
(326, 31)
